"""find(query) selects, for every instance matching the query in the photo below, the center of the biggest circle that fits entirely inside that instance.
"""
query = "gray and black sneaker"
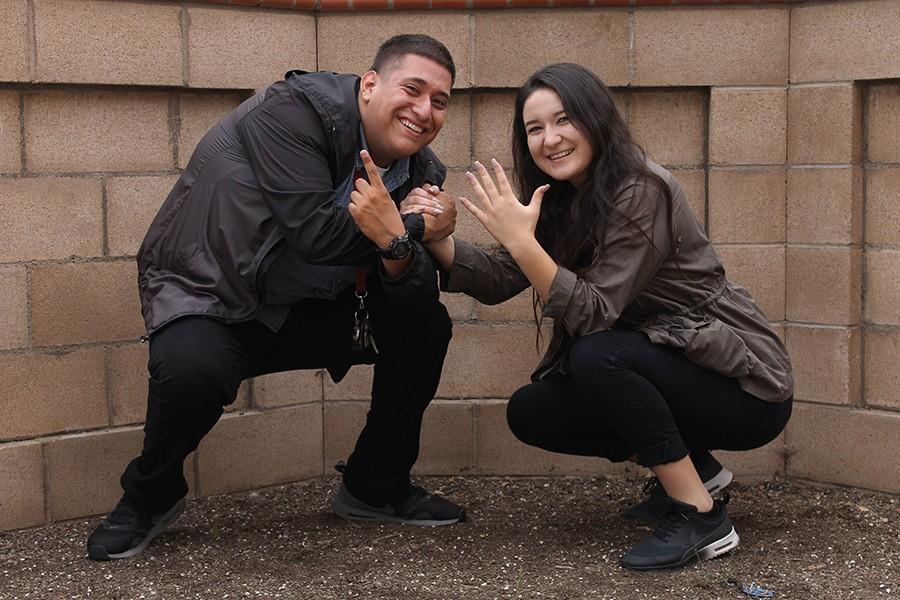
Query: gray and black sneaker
(419, 508)
(126, 532)
(714, 476)
(682, 536)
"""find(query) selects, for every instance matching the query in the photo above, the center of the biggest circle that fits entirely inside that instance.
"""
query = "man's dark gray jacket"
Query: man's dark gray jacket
(263, 180)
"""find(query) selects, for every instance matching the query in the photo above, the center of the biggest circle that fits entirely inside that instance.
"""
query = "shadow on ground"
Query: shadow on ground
(527, 538)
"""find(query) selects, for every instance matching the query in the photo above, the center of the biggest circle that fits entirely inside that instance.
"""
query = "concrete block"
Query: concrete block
(851, 447)
(245, 49)
(83, 471)
(492, 127)
(826, 363)
(882, 375)
(883, 206)
(72, 131)
(14, 44)
(824, 285)
(454, 142)
(261, 449)
(747, 206)
(499, 452)
(596, 39)
(197, 114)
(447, 442)
(128, 383)
(343, 423)
(766, 462)
(21, 485)
(845, 41)
(517, 308)
(459, 306)
(824, 206)
(761, 270)
(13, 308)
(131, 205)
(671, 126)
(883, 290)
(49, 393)
(693, 182)
(284, 389)
(711, 47)
(488, 361)
(73, 303)
(825, 124)
(884, 121)
(356, 385)
(97, 42)
(348, 42)
(55, 217)
(10, 134)
(747, 126)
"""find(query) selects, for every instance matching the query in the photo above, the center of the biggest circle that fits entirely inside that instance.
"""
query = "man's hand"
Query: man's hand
(373, 209)
(436, 207)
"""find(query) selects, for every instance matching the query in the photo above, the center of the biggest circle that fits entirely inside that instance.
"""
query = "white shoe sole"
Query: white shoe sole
(718, 483)
(720, 546)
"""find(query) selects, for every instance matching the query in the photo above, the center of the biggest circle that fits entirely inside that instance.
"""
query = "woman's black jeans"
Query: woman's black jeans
(625, 396)
(197, 364)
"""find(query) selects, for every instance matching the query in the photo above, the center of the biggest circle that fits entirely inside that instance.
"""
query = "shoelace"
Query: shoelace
(669, 524)
(650, 485)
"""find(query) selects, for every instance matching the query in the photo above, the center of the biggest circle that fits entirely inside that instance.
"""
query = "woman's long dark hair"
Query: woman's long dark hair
(573, 220)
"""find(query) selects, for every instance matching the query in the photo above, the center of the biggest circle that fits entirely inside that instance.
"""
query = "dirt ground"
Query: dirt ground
(527, 538)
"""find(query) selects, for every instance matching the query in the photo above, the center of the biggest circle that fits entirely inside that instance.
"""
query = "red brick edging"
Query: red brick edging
(364, 5)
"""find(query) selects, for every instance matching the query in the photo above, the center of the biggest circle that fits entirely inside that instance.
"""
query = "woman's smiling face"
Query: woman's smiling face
(556, 145)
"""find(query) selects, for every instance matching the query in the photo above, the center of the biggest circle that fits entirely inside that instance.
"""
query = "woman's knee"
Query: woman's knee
(524, 416)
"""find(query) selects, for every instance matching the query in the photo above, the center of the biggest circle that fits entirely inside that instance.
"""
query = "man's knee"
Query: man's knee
(193, 376)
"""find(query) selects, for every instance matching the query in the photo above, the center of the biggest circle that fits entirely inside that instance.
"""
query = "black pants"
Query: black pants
(196, 365)
(625, 396)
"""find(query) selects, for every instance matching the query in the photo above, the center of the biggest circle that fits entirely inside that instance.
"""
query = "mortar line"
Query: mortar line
(31, 34)
(23, 157)
(104, 216)
(865, 96)
(184, 20)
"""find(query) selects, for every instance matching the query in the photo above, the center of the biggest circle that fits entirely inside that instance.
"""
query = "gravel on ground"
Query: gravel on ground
(533, 538)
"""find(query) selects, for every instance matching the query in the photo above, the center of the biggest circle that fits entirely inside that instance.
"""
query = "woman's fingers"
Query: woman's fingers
(502, 181)
(486, 180)
(479, 190)
(476, 212)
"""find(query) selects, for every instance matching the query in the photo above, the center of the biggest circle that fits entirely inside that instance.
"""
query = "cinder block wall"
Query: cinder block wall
(780, 120)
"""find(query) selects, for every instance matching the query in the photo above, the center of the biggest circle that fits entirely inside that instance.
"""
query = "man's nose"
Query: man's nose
(422, 108)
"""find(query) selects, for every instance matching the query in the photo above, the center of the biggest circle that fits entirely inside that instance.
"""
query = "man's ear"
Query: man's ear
(367, 84)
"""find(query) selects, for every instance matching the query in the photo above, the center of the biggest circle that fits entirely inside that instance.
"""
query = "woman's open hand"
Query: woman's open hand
(507, 220)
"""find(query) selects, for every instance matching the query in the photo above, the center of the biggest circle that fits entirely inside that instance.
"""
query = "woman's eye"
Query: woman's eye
(532, 130)
(563, 119)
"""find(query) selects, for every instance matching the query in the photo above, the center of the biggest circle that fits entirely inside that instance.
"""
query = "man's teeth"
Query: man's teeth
(560, 154)
(410, 125)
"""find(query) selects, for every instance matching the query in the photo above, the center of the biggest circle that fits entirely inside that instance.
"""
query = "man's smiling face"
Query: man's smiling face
(403, 107)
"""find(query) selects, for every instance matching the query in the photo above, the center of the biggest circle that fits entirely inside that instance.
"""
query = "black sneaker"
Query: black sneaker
(419, 508)
(126, 532)
(714, 476)
(682, 536)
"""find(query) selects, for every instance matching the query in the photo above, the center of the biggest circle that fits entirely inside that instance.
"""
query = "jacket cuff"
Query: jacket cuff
(561, 291)
(415, 225)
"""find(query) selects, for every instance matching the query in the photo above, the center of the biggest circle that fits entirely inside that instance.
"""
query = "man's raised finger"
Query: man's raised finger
(371, 170)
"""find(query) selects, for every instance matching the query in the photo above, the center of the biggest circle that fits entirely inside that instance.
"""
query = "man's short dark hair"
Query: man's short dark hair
(425, 46)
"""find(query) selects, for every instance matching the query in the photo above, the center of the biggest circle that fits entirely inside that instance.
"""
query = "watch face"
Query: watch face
(398, 249)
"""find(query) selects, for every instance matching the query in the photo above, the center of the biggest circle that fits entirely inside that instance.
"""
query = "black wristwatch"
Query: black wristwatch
(399, 248)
